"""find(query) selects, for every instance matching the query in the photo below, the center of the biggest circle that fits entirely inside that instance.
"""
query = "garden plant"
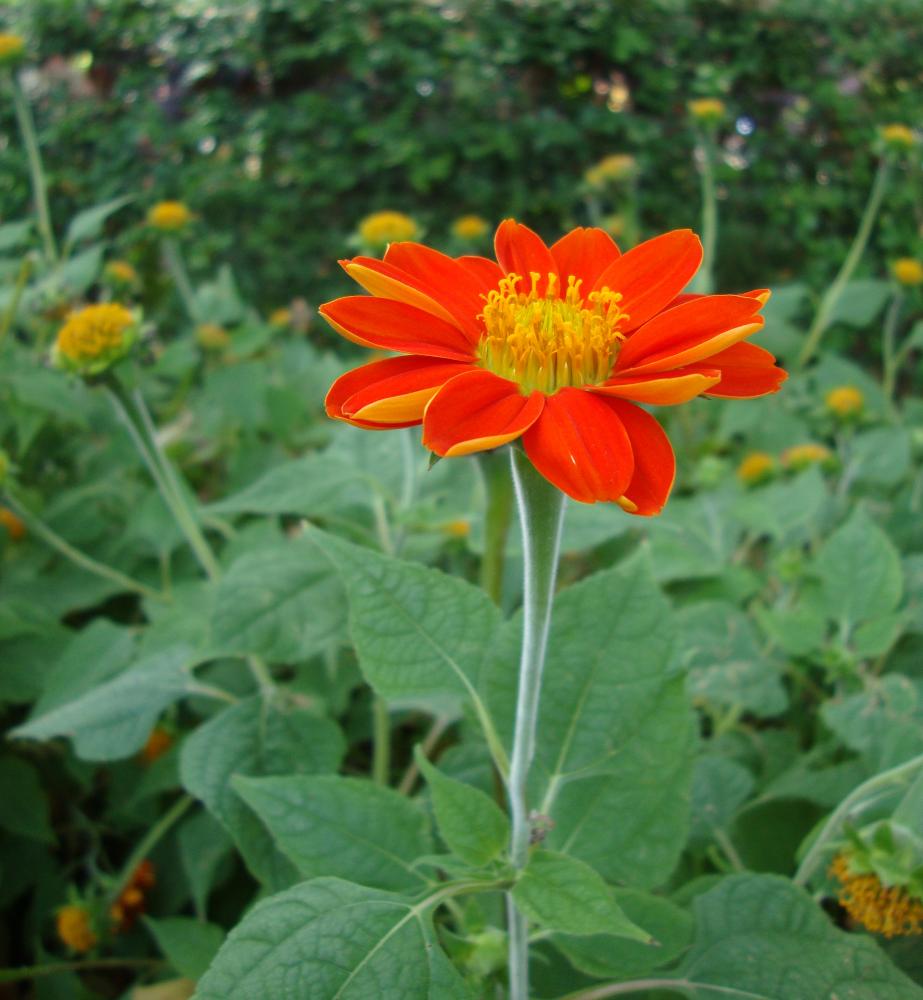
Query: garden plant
(530, 606)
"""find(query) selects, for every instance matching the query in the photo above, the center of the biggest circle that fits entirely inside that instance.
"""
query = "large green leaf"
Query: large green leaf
(693, 538)
(188, 945)
(87, 224)
(333, 940)
(330, 825)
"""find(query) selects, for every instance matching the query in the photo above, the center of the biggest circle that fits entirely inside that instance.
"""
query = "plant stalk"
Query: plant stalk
(381, 741)
(704, 281)
(890, 356)
(541, 514)
(36, 171)
(497, 517)
(176, 268)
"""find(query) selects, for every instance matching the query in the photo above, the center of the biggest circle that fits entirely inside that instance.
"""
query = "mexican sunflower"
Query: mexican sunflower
(556, 346)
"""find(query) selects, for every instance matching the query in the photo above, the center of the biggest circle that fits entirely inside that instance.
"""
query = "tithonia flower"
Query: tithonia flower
(75, 927)
(131, 902)
(898, 137)
(845, 401)
(14, 526)
(469, 227)
(95, 337)
(381, 228)
(882, 909)
(800, 456)
(169, 216)
(908, 271)
(554, 346)
(707, 110)
(120, 272)
(611, 169)
(12, 48)
(756, 468)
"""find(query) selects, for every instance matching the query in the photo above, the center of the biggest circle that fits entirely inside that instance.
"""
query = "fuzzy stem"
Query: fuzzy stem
(497, 517)
(541, 513)
(890, 356)
(704, 281)
(381, 741)
(36, 171)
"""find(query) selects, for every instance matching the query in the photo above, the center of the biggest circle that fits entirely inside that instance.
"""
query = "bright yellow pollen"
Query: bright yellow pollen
(94, 331)
(547, 342)
(887, 910)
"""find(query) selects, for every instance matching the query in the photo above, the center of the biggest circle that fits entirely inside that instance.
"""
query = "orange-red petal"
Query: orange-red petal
(690, 332)
(585, 254)
(661, 388)
(389, 393)
(655, 464)
(521, 251)
(389, 282)
(395, 326)
(580, 444)
(652, 274)
(746, 371)
(486, 271)
(476, 411)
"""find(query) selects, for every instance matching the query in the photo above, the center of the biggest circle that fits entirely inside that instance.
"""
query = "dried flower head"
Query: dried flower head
(95, 337)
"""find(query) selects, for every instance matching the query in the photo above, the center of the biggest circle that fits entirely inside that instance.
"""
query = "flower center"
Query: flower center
(550, 341)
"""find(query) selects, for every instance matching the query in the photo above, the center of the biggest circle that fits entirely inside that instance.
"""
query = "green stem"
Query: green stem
(41, 530)
(176, 268)
(541, 514)
(432, 737)
(704, 281)
(22, 279)
(677, 985)
(497, 517)
(889, 354)
(36, 171)
(832, 296)
(893, 776)
(381, 741)
(83, 965)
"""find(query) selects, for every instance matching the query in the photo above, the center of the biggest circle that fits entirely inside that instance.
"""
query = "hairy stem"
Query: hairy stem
(704, 281)
(36, 170)
(890, 356)
(497, 517)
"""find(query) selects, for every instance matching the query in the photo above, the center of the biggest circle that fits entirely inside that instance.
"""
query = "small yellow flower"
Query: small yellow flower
(898, 137)
(169, 216)
(12, 48)
(469, 227)
(212, 337)
(845, 401)
(14, 526)
(708, 110)
(614, 225)
(75, 928)
(908, 271)
(611, 169)
(280, 317)
(800, 456)
(882, 909)
(756, 468)
(95, 337)
(456, 529)
(381, 228)
(120, 272)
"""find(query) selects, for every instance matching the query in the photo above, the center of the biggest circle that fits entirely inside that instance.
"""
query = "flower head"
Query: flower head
(756, 468)
(845, 401)
(883, 909)
(611, 169)
(12, 48)
(908, 271)
(120, 272)
(169, 216)
(131, 902)
(75, 927)
(800, 456)
(381, 228)
(212, 337)
(469, 227)
(158, 743)
(95, 337)
(13, 524)
(898, 137)
(554, 346)
(707, 110)
(280, 317)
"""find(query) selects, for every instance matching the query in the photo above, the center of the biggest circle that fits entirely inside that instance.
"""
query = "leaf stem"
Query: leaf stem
(890, 356)
(55, 968)
(497, 516)
(381, 741)
(541, 514)
(642, 985)
(430, 740)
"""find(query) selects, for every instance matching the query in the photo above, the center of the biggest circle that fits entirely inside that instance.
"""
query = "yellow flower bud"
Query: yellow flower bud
(75, 928)
(169, 216)
(212, 337)
(611, 169)
(469, 227)
(845, 401)
(756, 468)
(908, 271)
(14, 526)
(95, 337)
(280, 317)
(381, 228)
(12, 48)
(800, 456)
(456, 529)
(120, 272)
(898, 137)
(707, 110)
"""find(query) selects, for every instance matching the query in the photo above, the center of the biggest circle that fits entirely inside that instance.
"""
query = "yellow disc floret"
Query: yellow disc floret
(75, 928)
(169, 216)
(908, 271)
(94, 337)
(546, 342)
(469, 227)
(381, 228)
(882, 909)
(756, 468)
(845, 401)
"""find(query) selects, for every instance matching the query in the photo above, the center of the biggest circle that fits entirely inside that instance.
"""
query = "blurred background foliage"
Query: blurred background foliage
(284, 122)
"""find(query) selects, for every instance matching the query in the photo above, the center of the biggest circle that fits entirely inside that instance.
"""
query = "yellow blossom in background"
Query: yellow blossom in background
(94, 338)
(212, 337)
(800, 456)
(845, 400)
(611, 170)
(882, 909)
(756, 468)
(11, 48)
(158, 743)
(75, 928)
(908, 271)
(898, 137)
(280, 317)
(456, 529)
(707, 110)
(14, 526)
(380, 228)
(614, 225)
(169, 216)
(120, 272)
(469, 227)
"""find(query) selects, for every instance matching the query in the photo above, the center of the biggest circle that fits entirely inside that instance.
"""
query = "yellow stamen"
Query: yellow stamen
(548, 341)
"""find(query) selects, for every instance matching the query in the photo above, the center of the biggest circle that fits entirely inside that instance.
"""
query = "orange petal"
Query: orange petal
(390, 282)
(689, 332)
(661, 389)
(580, 445)
(391, 392)
(655, 465)
(585, 254)
(746, 371)
(652, 274)
(476, 411)
(395, 326)
(763, 294)
(486, 271)
(521, 251)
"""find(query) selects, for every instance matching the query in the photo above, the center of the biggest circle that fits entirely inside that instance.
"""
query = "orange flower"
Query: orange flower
(554, 346)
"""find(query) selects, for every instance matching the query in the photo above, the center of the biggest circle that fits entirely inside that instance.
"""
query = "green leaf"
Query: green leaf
(331, 825)
(15, 234)
(860, 571)
(720, 787)
(785, 510)
(760, 938)
(188, 945)
(692, 538)
(470, 822)
(796, 631)
(563, 894)
(281, 602)
(881, 456)
(26, 811)
(861, 301)
(204, 846)
(87, 224)
(332, 940)
(873, 638)
(256, 738)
